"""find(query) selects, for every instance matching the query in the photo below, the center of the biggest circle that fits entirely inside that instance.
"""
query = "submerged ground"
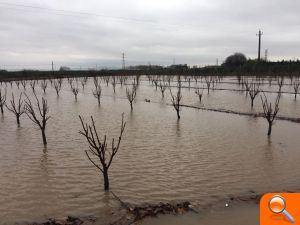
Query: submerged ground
(204, 158)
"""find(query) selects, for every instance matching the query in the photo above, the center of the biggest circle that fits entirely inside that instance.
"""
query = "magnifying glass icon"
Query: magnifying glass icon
(277, 205)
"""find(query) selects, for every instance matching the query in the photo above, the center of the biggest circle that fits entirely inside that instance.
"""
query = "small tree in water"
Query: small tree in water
(2, 100)
(100, 149)
(199, 93)
(176, 99)
(42, 111)
(16, 108)
(270, 113)
(253, 91)
(131, 94)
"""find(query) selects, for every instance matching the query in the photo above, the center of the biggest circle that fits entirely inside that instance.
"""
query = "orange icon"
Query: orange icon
(280, 209)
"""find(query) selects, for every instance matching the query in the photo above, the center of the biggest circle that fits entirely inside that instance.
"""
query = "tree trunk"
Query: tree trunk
(252, 102)
(178, 116)
(98, 101)
(106, 180)
(131, 106)
(44, 137)
(18, 119)
(2, 109)
(270, 129)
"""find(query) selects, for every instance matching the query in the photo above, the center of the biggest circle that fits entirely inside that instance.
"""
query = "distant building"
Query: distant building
(64, 68)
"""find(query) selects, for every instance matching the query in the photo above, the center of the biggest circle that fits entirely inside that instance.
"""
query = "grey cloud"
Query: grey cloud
(195, 32)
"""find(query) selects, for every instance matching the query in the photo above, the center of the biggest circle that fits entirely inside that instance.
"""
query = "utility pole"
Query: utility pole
(217, 62)
(260, 33)
(123, 61)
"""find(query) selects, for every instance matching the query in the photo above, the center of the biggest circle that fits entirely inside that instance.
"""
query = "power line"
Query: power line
(80, 13)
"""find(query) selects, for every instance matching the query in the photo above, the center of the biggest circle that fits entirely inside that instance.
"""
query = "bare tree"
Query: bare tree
(208, 83)
(247, 86)
(106, 79)
(114, 83)
(163, 88)
(83, 81)
(75, 91)
(18, 84)
(2, 100)
(131, 94)
(155, 81)
(100, 149)
(40, 117)
(253, 92)
(176, 99)
(24, 82)
(17, 109)
(270, 113)
(296, 88)
(57, 86)
(97, 92)
(96, 81)
(44, 85)
(122, 80)
(32, 85)
(280, 82)
(199, 93)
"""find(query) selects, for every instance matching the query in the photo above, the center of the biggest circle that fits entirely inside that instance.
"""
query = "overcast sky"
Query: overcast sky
(88, 32)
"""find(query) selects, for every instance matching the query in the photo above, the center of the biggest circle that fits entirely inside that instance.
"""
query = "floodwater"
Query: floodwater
(204, 158)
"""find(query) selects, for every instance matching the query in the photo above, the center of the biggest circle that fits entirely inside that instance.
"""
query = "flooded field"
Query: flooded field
(204, 157)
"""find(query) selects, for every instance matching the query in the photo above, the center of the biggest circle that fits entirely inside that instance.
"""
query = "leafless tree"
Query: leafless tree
(199, 93)
(17, 109)
(296, 85)
(97, 92)
(44, 85)
(177, 98)
(270, 81)
(163, 88)
(96, 81)
(75, 91)
(137, 78)
(131, 94)
(57, 86)
(270, 113)
(32, 85)
(253, 92)
(70, 81)
(208, 81)
(24, 82)
(280, 82)
(106, 79)
(83, 81)
(18, 84)
(99, 149)
(247, 86)
(114, 83)
(122, 80)
(2, 100)
(155, 81)
(39, 116)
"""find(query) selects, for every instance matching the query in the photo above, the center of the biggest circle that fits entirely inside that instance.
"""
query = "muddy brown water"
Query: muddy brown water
(203, 158)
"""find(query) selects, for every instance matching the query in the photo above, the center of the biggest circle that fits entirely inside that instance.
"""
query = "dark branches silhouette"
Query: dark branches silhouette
(270, 113)
(99, 149)
(40, 116)
(16, 108)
